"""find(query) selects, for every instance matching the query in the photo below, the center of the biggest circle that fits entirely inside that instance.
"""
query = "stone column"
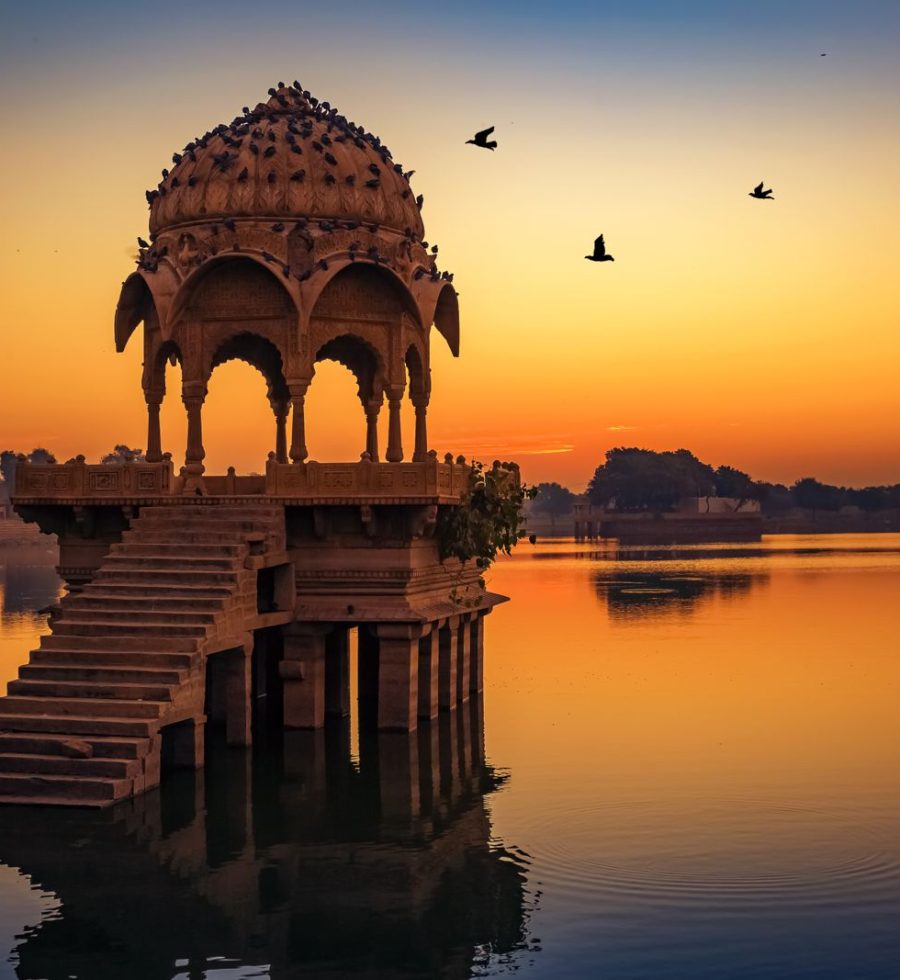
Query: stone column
(367, 679)
(398, 677)
(238, 703)
(303, 675)
(298, 422)
(281, 413)
(449, 650)
(420, 453)
(187, 743)
(477, 679)
(428, 673)
(154, 439)
(372, 409)
(337, 672)
(464, 670)
(395, 438)
(193, 395)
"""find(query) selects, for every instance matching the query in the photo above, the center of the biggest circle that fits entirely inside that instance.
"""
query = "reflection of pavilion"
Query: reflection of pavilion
(300, 860)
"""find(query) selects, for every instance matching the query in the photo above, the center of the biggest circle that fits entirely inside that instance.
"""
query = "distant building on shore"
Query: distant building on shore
(694, 519)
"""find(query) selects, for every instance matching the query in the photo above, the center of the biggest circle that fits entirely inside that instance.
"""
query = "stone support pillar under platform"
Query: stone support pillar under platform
(298, 422)
(302, 673)
(398, 676)
(448, 662)
(464, 659)
(429, 660)
(337, 672)
(395, 440)
(183, 744)
(154, 437)
(238, 699)
(477, 627)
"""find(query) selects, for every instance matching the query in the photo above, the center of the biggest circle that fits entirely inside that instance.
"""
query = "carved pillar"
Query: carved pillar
(154, 438)
(298, 422)
(395, 440)
(372, 409)
(420, 453)
(281, 412)
(193, 395)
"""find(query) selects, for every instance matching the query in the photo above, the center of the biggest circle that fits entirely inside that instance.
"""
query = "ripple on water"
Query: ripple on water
(722, 854)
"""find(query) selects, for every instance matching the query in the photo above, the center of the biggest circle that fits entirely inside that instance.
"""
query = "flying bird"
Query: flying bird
(600, 254)
(760, 194)
(481, 139)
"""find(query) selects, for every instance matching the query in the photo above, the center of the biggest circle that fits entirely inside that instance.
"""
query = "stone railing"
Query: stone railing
(325, 482)
(77, 479)
(383, 481)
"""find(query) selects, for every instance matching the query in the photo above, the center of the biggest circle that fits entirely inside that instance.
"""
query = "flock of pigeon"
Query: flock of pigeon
(600, 254)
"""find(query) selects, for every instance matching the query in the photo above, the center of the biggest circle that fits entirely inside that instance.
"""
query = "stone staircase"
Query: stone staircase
(126, 655)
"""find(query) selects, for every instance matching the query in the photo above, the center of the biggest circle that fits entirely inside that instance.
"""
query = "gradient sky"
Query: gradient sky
(764, 335)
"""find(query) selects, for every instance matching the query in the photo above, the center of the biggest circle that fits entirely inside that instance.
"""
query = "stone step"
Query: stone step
(60, 765)
(148, 630)
(57, 707)
(143, 603)
(77, 788)
(172, 546)
(166, 576)
(143, 643)
(45, 743)
(72, 725)
(97, 689)
(149, 562)
(73, 657)
(57, 801)
(247, 512)
(154, 590)
(201, 530)
(99, 612)
(107, 674)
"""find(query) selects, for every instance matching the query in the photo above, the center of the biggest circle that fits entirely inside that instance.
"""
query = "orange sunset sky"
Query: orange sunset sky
(760, 334)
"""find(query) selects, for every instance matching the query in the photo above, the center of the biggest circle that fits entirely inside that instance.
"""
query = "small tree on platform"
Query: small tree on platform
(488, 520)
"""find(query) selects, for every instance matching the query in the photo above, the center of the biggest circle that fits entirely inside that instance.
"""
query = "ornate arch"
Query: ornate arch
(361, 358)
(259, 352)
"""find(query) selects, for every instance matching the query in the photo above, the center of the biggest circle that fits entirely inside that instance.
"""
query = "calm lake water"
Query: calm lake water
(687, 764)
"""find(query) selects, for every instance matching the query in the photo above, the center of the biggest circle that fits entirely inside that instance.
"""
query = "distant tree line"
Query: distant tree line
(643, 479)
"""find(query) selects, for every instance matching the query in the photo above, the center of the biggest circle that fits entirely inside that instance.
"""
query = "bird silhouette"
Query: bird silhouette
(481, 139)
(142, 243)
(600, 254)
(760, 194)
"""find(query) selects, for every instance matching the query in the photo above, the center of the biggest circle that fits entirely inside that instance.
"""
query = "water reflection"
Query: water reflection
(292, 862)
(27, 587)
(631, 595)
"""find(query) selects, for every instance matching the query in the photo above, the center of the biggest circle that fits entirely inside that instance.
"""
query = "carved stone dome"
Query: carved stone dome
(289, 158)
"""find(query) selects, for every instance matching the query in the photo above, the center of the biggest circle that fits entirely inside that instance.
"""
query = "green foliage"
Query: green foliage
(641, 479)
(553, 499)
(489, 519)
(122, 453)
